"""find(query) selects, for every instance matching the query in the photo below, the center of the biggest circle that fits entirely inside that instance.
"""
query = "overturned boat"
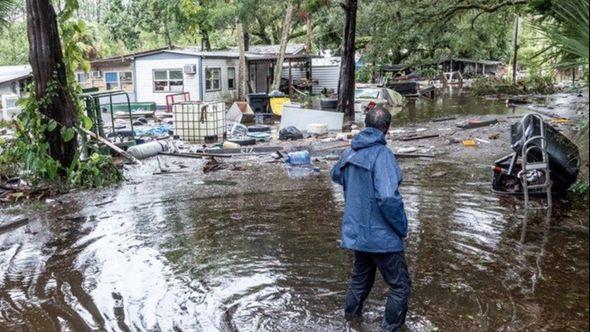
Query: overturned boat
(548, 158)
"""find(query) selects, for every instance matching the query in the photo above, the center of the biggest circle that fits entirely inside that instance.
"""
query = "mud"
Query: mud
(256, 250)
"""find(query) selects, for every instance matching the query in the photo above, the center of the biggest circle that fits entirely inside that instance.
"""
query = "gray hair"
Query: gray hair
(378, 118)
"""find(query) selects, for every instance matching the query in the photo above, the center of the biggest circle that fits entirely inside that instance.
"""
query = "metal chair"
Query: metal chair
(537, 166)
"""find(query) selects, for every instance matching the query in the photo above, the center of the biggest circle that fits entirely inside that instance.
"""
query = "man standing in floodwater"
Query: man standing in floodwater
(374, 224)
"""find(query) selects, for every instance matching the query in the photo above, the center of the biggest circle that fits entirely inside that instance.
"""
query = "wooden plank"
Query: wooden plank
(112, 146)
(413, 138)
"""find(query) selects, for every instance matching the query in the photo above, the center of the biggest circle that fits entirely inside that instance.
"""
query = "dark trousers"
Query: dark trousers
(394, 271)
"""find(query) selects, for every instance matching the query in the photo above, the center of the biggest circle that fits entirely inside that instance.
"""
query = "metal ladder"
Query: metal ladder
(531, 166)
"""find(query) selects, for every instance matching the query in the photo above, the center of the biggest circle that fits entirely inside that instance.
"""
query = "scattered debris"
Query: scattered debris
(444, 119)
(469, 143)
(317, 129)
(471, 124)
(13, 224)
(213, 165)
(290, 133)
(482, 141)
(406, 150)
(112, 146)
(149, 149)
(438, 174)
(417, 137)
(104, 203)
(298, 158)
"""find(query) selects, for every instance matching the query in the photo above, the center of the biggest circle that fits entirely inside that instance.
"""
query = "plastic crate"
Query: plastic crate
(199, 122)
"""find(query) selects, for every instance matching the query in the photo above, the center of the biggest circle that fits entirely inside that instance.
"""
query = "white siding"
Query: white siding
(224, 93)
(326, 76)
(143, 74)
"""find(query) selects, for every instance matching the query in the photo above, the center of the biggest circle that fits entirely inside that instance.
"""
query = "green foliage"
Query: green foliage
(28, 154)
(6, 6)
(120, 23)
(493, 86)
(565, 29)
(363, 75)
(533, 84)
(580, 188)
(428, 73)
(14, 45)
(97, 171)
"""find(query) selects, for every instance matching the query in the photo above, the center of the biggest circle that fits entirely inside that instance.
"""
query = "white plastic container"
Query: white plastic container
(317, 129)
(147, 150)
(199, 122)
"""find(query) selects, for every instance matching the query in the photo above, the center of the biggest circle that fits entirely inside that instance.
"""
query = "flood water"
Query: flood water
(253, 249)
(453, 102)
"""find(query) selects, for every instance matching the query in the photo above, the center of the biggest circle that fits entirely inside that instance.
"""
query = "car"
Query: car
(387, 98)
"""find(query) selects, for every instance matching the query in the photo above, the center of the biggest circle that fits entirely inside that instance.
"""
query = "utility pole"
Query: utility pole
(516, 23)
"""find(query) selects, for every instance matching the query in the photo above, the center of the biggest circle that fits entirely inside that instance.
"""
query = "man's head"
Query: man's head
(378, 118)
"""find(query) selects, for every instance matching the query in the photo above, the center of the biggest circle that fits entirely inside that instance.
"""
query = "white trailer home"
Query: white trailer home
(325, 72)
(205, 75)
(13, 82)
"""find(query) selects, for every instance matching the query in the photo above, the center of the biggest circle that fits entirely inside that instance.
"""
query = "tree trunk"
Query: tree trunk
(167, 34)
(309, 33)
(242, 62)
(276, 82)
(246, 41)
(205, 42)
(514, 60)
(346, 81)
(46, 58)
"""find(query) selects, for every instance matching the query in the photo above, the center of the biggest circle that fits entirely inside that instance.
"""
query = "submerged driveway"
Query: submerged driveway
(255, 250)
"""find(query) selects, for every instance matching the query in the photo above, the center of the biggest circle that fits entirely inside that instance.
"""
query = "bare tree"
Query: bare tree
(346, 81)
(284, 40)
(241, 62)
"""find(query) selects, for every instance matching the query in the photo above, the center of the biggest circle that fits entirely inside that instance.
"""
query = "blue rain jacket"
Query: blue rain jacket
(374, 216)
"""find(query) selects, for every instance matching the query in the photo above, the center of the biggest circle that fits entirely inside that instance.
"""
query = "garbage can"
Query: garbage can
(329, 104)
(258, 102)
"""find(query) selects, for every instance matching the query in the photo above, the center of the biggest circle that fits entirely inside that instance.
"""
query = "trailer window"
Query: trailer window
(168, 80)
(82, 77)
(111, 80)
(231, 78)
(213, 79)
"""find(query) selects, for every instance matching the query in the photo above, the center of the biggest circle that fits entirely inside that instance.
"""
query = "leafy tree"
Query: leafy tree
(121, 24)
(14, 47)
(158, 17)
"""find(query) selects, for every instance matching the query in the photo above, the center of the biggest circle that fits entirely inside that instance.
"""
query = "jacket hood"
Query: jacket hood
(367, 138)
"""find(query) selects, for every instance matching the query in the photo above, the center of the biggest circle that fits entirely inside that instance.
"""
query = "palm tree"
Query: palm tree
(565, 28)
(6, 6)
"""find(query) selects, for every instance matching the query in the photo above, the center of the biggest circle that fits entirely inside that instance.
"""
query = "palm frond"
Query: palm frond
(566, 34)
(6, 7)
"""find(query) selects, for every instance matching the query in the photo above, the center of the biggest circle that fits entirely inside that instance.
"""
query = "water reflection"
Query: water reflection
(256, 250)
(453, 102)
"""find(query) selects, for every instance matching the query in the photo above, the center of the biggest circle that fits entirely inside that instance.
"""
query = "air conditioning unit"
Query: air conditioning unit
(9, 107)
(190, 69)
(96, 74)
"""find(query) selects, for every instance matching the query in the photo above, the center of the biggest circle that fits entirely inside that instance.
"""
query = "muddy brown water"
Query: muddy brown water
(256, 250)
